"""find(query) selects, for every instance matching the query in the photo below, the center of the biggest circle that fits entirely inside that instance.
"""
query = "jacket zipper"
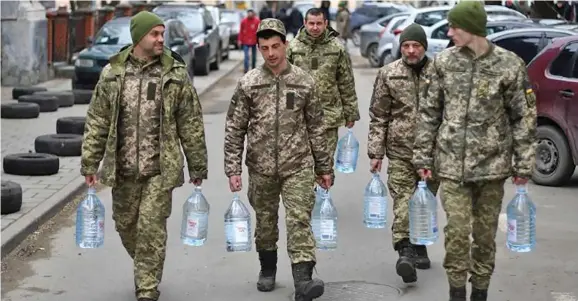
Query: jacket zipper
(466, 123)
(277, 126)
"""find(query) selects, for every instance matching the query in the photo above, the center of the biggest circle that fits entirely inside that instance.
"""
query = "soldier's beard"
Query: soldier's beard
(412, 60)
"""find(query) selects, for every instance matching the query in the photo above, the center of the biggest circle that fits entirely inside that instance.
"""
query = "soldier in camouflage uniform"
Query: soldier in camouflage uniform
(317, 50)
(397, 93)
(143, 110)
(480, 114)
(277, 108)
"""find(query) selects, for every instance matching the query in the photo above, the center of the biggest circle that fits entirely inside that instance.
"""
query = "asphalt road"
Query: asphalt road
(49, 267)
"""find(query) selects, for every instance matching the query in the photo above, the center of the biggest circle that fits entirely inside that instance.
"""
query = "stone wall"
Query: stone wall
(24, 34)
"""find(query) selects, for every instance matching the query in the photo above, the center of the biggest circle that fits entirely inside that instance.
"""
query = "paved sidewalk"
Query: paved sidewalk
(43, 196)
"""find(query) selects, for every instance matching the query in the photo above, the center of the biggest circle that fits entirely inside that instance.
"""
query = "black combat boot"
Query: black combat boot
(306, 288)
(405, 265)
(458, 293)
(422, 261)
(266, 282)
(479, 294)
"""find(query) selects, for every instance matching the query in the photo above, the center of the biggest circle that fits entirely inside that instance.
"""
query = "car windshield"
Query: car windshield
(232, 17)
(113, 34)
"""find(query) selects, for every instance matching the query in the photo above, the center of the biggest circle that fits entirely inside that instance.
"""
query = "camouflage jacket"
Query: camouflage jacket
(326, 60)
(181, 123)
(397, 93)
(480, 114)
(283, 120)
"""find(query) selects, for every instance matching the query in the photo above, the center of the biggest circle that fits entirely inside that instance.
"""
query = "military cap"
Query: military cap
(272, 24)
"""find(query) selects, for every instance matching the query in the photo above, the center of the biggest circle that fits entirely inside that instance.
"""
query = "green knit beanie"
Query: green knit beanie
(142, 23)
(469, 16)
(413, 32)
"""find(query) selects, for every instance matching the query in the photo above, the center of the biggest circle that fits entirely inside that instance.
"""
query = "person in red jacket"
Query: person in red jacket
(248, 38)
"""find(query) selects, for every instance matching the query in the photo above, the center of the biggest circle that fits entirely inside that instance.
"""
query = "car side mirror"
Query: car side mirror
(89, 40)
(177, 42)
(208, 27)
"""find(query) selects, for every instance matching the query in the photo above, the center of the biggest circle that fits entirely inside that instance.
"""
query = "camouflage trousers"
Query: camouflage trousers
(402, 180)
(332, 136)
(298, 198)
(140, 211)
(471, 208)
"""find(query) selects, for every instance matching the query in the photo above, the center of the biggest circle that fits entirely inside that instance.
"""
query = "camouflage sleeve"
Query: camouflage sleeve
(429, 118)
(316, 133)
(289, 54)
(97, 125)
(346, 86)
(191, 131)
(236, 125)
(521, 107)
(380, 115)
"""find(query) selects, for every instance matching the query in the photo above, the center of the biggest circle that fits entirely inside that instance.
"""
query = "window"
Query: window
(441, 32)
(493, 29)
(431, 18)
(561, 67)
(524, 47)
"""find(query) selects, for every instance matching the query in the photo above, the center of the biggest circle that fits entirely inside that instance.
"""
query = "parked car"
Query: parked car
(554, 77)
(224, 30)
(386, 36)
(203, 30)
(232, 18)
(371, 34)
(370, 12)
(114, 35)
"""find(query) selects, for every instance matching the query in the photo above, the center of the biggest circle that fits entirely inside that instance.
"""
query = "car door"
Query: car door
(438, 39)
(526, 45)
(186, 51)
(212, 33)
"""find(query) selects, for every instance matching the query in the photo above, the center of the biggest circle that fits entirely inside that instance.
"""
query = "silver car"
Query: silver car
(372, 33)
(385, 43)
(224, 30)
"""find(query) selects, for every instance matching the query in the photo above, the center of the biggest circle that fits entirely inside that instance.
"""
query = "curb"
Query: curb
(31, 221)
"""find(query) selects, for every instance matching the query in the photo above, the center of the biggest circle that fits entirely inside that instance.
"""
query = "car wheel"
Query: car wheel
(202, 66)
(215, 65)
(355, 37)
(554, 164)
(372, 56)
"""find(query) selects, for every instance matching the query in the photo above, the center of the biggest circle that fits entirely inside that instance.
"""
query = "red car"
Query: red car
(554, 76)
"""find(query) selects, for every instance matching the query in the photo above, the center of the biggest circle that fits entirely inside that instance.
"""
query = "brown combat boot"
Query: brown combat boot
(306, 288)
(479, 294)
(458, 293)
(266, 282)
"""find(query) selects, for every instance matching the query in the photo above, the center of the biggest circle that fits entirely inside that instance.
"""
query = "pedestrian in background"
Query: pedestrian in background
(317, 50)
(342, 22)
(144, 108)
(247, 39)
(277, 108)
(398, 90)
(476, 128)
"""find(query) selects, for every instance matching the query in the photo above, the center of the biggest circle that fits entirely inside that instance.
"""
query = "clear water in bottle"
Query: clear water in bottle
(423, 225)
(375, 203)
(347, 153)
(521, 216)
(195, 224)
(90, 221)
(238, 227)
(324, 222)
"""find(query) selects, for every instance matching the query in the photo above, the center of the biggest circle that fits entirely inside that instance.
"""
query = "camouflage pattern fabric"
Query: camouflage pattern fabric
(481, 116)
(332, 136)
(471, 208)
(298, 198)
(397, 94)
(327, 61)
(181, 121)
(140, 210)
(139, 118)
(273, 24)
(283, 121)
(402, 181)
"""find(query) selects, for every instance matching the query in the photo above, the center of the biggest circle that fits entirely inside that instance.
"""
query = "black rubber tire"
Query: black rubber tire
(82, 97)
(554, 139)
(21, 91)
(22, 110)
(64, 98)
(11, 197)
(62, 145)
(70, 125)
(31, 164)
(46, 103)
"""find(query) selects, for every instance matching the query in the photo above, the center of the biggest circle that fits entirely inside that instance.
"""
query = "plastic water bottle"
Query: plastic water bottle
(238, 226)
(347, 153)
(375, 203)
(195, 225)
(521, 213)
(423, 225)
(324, 222)
(90, 221)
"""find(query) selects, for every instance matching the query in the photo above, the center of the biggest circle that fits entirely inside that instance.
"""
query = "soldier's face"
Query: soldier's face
(315, 25)
(273, 51)
(460, 37)
(412, 52)
(152, 43)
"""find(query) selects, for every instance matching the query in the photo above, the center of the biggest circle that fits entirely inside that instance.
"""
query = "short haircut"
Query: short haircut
(315, 12)
(269, 33)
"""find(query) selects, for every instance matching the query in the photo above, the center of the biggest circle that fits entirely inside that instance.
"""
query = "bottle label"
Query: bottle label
(375, 206)
(512, 230)
(326, 229)
(238, 232)
(434, 222)
(195, 225)
(346, 156)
